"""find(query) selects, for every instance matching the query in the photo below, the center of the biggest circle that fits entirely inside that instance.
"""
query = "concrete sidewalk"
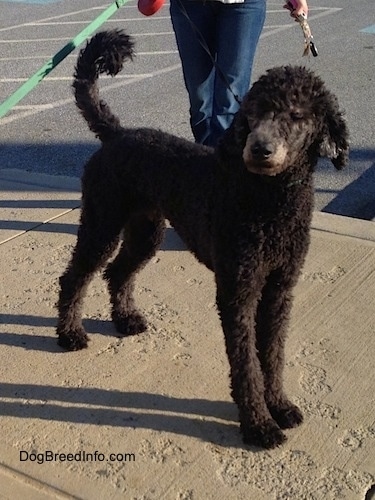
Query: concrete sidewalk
(150, 417)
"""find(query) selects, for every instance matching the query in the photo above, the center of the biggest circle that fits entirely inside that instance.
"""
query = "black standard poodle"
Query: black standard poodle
(243, 209)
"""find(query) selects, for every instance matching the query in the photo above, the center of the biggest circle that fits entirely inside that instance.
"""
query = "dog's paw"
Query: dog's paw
(266, 435)
(286, 414)
(130, 324)
(73, 340)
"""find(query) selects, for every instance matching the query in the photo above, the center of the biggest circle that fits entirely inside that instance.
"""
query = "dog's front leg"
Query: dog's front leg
(271, 328)
(237, 309)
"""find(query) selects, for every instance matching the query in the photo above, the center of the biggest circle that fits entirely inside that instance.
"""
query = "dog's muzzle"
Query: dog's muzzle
(263, 157)
(261, 151)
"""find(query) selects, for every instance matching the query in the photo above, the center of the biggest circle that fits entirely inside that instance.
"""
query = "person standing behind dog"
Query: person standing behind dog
(217, 40)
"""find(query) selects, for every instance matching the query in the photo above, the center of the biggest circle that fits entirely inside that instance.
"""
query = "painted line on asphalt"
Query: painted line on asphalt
(325, 13)
(60, 16)
(57, 104)
(66, 39)
(117, 21)
(74, 56)
(31, 1)
(70, 78)
(369, 29)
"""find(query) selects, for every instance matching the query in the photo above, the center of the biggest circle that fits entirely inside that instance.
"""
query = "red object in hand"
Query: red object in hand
(149, 7)
(293, 4)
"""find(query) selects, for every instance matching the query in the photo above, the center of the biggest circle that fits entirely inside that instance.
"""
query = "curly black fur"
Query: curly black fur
(244, 210)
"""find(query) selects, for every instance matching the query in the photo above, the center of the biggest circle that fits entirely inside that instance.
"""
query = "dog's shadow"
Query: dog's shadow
(31, 341)
(210, 421)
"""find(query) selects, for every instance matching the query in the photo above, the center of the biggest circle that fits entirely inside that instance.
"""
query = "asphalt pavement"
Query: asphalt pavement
(44, 133)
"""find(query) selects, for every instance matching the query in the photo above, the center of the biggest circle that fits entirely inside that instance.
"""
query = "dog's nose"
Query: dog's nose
(261, 150)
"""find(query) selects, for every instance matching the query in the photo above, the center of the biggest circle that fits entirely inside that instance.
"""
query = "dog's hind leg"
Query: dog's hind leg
(143, 234)
(95, 244)
(271, 324)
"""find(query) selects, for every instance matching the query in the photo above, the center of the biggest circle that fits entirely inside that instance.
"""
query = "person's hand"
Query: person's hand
(297, 7)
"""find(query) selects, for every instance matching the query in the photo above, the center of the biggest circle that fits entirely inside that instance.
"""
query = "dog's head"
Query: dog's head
(286, 118)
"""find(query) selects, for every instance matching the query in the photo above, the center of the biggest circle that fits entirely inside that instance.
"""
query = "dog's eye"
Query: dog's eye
(296, 115)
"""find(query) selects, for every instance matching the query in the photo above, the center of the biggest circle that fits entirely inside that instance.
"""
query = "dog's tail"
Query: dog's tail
(104, 53)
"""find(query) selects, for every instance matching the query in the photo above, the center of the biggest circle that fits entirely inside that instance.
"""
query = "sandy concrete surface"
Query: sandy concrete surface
(152, 414)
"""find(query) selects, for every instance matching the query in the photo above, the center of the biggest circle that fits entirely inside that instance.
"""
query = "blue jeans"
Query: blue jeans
(231, 32)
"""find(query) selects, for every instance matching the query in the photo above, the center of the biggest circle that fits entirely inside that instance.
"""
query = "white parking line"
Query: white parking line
(69, 78)
(74, 56)
(278, 29)
(61, 16)
(33, 110)
(117, 21)
(67, 39)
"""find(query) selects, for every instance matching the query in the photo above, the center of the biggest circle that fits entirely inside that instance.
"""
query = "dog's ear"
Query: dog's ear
(334, 142)
(233, 141)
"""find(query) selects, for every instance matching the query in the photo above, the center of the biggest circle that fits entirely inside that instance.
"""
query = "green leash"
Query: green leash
(33, 81)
